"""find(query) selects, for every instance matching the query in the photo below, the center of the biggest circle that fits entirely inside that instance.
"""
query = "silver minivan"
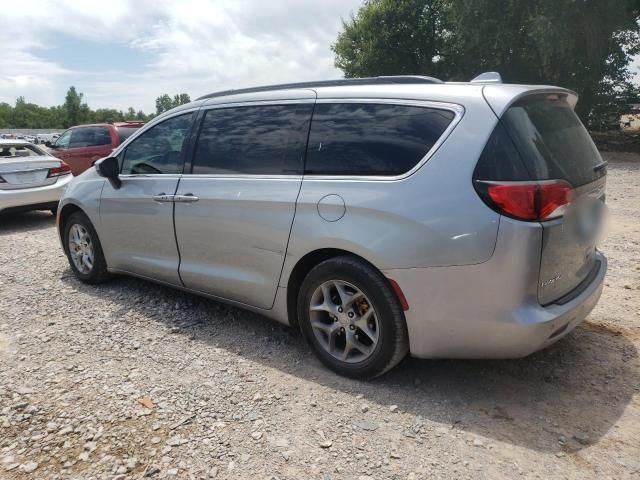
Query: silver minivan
(381, 216)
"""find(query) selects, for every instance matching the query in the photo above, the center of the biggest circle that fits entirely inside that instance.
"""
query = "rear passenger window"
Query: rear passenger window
(257, 140)
(372, 139)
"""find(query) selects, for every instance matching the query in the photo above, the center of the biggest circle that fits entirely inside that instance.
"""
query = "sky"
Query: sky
(125, 53)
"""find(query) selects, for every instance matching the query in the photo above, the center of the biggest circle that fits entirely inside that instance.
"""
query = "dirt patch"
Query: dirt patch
(234, 395)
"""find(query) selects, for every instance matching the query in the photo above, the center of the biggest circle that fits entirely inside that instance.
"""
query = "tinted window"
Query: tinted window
(370, 139)
(89, 137)
(63, 140)
(159, 149)
(260, 140)
(552, 141)
(500, 160)
(125, 132)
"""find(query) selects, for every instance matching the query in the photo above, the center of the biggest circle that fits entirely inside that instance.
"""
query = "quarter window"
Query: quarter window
(372, 139)
(159, 149)
(256, 140)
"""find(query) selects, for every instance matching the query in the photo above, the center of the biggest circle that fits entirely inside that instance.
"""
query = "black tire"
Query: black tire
(98, 272)
(393, 342)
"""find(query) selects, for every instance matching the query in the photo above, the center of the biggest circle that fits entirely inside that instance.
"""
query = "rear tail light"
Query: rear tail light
(531, 201)
(63, 169)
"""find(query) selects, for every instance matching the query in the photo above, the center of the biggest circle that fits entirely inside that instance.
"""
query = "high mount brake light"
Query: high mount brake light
(531, 201)
(63, 169)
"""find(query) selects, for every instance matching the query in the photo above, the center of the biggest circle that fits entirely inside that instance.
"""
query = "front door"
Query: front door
(137, 219)
(233, 214)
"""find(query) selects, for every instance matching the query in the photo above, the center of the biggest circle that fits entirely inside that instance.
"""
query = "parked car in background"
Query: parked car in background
(380, 216)
(43, 138)
(30, 178)
(80, 146)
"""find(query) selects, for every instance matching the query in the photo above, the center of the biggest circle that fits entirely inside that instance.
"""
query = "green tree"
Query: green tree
(584, 45)
(30, 115)
(106, 115)
(6, 111)
(393, 37)
(73, 107)
(181, 99)
(163, 104)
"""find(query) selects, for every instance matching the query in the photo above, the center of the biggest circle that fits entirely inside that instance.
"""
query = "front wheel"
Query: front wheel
(351, 317)
(83, 250)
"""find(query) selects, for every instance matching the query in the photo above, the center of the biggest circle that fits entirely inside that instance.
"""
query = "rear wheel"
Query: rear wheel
(83, 250)
(351, 317)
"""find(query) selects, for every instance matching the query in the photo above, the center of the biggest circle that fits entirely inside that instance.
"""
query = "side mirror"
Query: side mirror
(109, 168)
(48, 144)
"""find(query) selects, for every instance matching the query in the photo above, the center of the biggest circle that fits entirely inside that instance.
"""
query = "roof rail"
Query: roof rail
(383, 80)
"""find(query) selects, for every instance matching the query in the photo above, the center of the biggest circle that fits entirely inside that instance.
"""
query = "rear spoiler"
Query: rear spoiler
(501, 97)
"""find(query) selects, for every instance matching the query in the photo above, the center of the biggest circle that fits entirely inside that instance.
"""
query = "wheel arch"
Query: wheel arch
(63, 215)
(305, 264)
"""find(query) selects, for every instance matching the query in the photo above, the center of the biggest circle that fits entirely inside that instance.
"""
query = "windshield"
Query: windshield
(16, 151)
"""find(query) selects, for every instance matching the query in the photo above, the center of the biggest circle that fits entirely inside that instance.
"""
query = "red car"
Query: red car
(81, 146)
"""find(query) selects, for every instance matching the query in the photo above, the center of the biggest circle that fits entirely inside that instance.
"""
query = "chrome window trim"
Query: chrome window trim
(246, 176)
(257, 103)
(150, 175)
(149, 126)
(458, 111)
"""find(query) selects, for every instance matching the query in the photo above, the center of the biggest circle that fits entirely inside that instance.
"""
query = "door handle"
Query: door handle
(187, 198)
(163, 198)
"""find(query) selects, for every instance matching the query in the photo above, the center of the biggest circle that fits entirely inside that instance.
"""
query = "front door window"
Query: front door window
(159, 149)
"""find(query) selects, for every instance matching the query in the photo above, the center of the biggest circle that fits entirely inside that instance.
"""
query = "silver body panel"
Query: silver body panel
(137, 231)
(490, 310)
(234, 238)
(470, 276)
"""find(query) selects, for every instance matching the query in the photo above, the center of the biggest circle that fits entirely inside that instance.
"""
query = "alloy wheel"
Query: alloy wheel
(344, 321)
(81, 248)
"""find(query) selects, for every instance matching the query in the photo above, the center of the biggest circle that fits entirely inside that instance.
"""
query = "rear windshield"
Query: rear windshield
(125, 132)
(540, 138)
(551, 140)
(14, 151)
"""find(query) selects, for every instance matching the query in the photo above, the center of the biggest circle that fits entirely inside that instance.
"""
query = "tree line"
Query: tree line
(74, 111)
(584, 45)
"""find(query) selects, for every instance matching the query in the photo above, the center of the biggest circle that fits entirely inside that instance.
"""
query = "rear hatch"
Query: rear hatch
(541, 145)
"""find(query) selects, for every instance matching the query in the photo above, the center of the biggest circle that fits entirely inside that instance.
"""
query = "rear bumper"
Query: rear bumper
(490, 310)
(24, 199)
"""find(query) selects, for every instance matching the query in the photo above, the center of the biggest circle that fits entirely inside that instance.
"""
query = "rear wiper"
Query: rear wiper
(600, 166)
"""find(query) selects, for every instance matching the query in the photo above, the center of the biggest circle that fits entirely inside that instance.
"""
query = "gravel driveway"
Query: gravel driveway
(132, 380)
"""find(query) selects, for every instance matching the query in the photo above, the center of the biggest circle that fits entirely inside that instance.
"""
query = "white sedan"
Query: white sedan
(30, 178)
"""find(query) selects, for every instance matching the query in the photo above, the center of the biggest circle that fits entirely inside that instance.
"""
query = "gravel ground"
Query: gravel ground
(133, 380)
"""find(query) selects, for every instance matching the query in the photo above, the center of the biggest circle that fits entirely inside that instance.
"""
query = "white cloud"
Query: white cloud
(193, 46)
